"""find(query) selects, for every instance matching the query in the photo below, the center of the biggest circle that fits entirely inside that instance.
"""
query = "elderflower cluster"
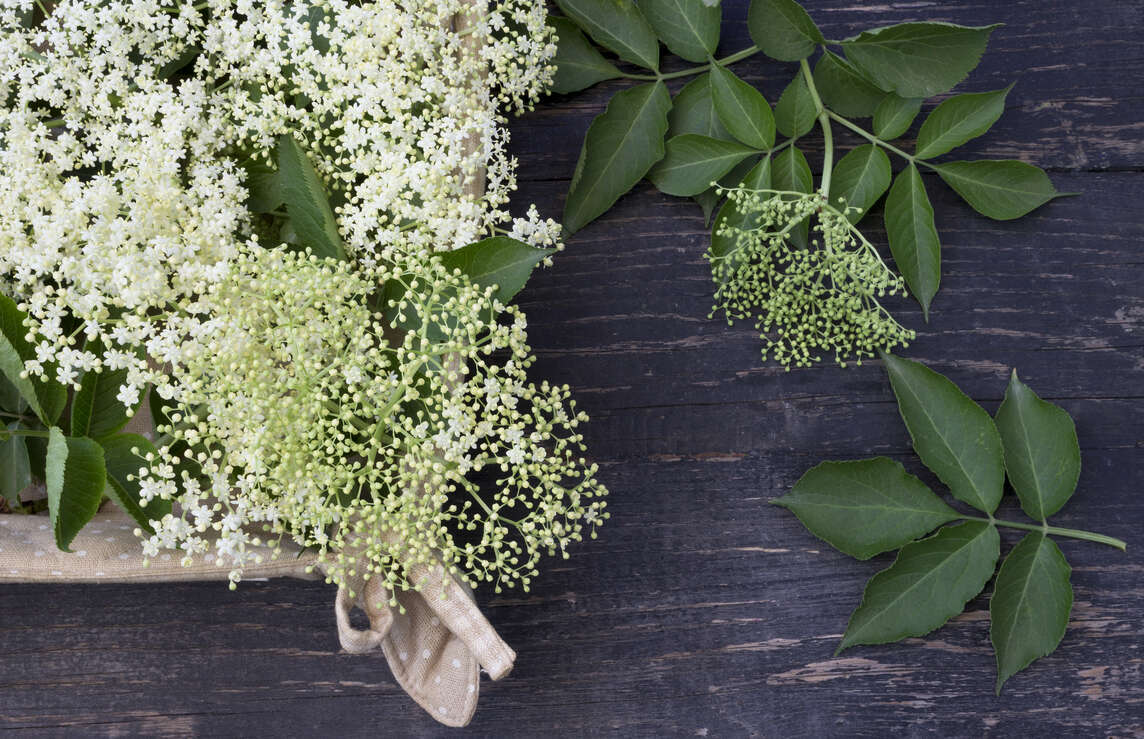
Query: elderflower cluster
(376, 409)
(805, 300)
(414, 437)
(130, 131)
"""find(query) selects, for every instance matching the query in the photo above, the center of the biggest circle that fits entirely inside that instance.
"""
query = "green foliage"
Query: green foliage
(123, 456)
(1042, 454)
(742, 109)
(306, 201)
(621, 146)
(929, 583)
(782, 29)
(499, 260)
(75, 478)
(689, 28)
(860, 179)
(1029, 610)
(692, 162)
(732, 217)
(95, 410)
(884, 73)
(617, 25)
(867, 507)
(795, 111)
(1002, 190)
(693, 111)
(578, 63)
(918, 59)
(913, 236)
(894, 116)
(952, 435)
(46, 398)
(15, 466)
(959, 119)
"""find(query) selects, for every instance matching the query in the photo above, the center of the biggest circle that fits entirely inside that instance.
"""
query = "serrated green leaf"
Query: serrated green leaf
(689, 28)
(123, 466)
(952, 435)
(692, 162)
(46, 398)
(791, 171)
(999, 189)
(75, 476)
(621, 146)
(1042, 454)
(782, 29)
(693, 111)
(617, 25)
(1029, 610)
(264, 188)
(865, 507)
(710, 197)
(499, 260)
(795, 112)
(578, 63)
(742, 109)
(306, 201)
(730, 216)
(913, 236)
(929, 583)
(860, 178)
(959, 119)
(894, 115)
(10, 398)
(15, 467)
(96, 410)
(843, 89)
(918, 59)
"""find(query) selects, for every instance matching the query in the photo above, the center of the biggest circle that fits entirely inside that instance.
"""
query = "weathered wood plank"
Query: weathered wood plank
(702, 610)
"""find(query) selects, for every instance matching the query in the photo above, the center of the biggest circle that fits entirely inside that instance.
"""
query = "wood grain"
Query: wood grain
(702, 610)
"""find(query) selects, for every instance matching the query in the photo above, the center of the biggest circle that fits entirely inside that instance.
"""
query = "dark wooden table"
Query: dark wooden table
(702, 610)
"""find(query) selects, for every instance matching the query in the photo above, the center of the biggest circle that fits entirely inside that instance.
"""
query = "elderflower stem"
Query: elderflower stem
(738, 56)
(1053, 530)
(874, 139)
(827, 134)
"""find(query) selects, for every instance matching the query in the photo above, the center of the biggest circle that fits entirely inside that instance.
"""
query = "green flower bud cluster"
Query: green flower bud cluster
(380, 414)
(807, 301)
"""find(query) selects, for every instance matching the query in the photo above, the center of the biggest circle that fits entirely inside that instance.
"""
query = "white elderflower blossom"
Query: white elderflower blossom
(377, 409)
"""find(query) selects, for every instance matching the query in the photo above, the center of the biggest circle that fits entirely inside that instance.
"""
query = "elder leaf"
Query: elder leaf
(865, 507)
(691, 163)
(693, 111)
(498, 260)
(952, 435)
(860, 178)
(742, 109)
(843, 89)
(894, 115)
(959, 119)
(124, 456)
(1000, 189)
(620, 147)
(913, 236)
(1042, 454)
(75, 477)
(782, 29)
(795, 112)
(617, 25)
(311, 217)
(791, 171)
(689, 28)
(578, 63)
(731, 216)
(918, 59)
(1030, 606)
(929, 583)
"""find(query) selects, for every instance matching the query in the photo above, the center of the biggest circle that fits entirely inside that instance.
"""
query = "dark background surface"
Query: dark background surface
(701, 610)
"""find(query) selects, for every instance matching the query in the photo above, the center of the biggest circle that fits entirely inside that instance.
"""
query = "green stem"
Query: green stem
(827, 134)
(5, 435)
(1054, 531)
(738, 56)
(875, 140)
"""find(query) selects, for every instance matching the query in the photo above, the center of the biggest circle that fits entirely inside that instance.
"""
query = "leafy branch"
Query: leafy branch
(868, 507)
(705, 140)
